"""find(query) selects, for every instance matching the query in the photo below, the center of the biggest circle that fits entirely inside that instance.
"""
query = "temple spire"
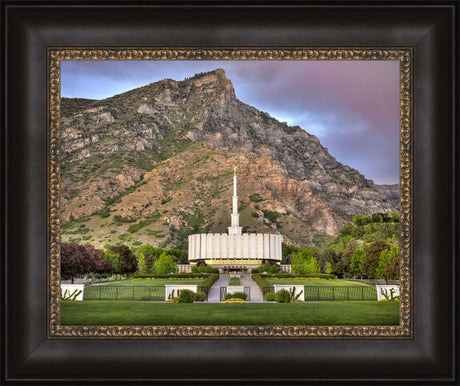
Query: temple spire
(234, 229)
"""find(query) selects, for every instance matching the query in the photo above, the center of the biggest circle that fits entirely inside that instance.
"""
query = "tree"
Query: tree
(287, 251)
(393, 270)
(164, 265)
(355, 262)
(114, 258)
(377, 218)
(394, 216)
(328, 256)
(99, 264)
(372, 257)
(149, 255)
(179, 256)
(387, 260)
(141, 266)
(305, 262)
(75, 260)
(127, 259)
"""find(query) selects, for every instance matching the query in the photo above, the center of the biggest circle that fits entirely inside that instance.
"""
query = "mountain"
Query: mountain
(390, 192)
(154, 164)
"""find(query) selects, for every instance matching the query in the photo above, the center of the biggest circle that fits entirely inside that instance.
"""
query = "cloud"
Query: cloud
(351, 106)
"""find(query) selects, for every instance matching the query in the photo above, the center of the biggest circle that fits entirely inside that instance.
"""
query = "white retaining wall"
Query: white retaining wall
(169, 288)
(68, 289)
(298, 289)
(386, 289)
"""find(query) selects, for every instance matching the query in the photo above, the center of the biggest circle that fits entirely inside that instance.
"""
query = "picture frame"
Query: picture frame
(32, 353)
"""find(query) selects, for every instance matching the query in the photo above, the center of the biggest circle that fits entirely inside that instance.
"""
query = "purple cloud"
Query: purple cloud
(351, 106)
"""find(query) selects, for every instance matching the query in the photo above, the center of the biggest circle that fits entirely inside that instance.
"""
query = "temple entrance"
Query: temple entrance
(235, 269)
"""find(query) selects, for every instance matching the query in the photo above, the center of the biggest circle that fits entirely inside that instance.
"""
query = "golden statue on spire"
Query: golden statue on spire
(234, 170)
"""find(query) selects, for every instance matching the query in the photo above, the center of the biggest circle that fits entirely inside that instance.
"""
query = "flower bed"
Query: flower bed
(235, 300)
(173, 276)
(297, 276)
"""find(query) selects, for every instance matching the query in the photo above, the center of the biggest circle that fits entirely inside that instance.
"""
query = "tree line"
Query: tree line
(369, 247)
(118, 260)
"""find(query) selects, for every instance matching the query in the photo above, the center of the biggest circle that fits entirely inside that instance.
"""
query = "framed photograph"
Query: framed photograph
(207, 155)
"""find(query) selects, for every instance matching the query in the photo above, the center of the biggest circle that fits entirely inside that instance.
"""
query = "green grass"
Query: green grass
(156, 282)
(312, 282)
(133, 289)
(307, 314)
(234, 281)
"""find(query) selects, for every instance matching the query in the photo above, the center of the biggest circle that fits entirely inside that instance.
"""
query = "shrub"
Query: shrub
(172, 276)
(234, 281)
(236, 295)
(270, 296)
(204, 268)
(186, 296)
(285, 275)
(261, 282)
(283, 296)
(200, 296)
(209, 282)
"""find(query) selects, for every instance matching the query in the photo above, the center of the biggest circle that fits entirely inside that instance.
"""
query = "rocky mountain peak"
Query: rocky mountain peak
(152, 124)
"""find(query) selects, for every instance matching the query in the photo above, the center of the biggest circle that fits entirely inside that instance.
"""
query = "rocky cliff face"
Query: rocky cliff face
(143, 127)
(391, 192)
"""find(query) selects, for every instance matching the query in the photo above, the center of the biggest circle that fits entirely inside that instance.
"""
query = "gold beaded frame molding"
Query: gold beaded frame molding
(402, 331)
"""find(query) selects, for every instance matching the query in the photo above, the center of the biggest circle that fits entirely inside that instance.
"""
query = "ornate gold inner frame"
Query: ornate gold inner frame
(402, 331)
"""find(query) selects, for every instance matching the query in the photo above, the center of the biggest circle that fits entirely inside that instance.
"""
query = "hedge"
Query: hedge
(286, 275)
(261, 282)
(173, 276)
(207, 284)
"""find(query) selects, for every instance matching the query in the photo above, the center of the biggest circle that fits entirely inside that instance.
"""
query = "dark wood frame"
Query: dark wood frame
(29, 28)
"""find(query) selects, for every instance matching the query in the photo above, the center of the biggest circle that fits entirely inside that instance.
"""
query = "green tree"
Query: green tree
(394, 216)
(305, 262)
(114, 258)
(355, 262)
(164, 265)
(127, 259)
(328, 256)
(372, 257)
(141, 266)
(150, 255)
(377, 218)
(387, 258)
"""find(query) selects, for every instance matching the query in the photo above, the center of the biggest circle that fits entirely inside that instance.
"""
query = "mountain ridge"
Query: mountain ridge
(131, 133)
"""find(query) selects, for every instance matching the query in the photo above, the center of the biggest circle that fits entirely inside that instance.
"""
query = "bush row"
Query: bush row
(286, 275)
(261, 282)
(208, 282)
(172, 276)
(266, 268)
(187, 296)
(236, 295)
(204, 269)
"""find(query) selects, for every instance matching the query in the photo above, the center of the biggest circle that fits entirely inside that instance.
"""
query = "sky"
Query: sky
(351, 106)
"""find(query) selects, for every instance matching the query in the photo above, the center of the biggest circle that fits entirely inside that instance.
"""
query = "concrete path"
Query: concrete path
(214, 291)
(256, 293)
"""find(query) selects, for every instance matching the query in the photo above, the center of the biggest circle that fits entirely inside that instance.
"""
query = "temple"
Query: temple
(235, 251)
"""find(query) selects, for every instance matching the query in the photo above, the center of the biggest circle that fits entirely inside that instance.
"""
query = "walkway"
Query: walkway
(256, 293)
(214, 291)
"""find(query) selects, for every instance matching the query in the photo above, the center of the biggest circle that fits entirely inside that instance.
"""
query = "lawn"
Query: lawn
(320, 290)
(309, 314)
(133, 289)
(156, 282)
(313, 282)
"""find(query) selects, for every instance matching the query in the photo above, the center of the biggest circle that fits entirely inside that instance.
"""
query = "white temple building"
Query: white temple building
(235, 251)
